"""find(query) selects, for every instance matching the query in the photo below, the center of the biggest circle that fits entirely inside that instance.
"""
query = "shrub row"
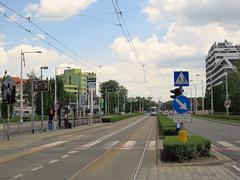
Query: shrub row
(167, 126)
(195, 147)
(115, 118)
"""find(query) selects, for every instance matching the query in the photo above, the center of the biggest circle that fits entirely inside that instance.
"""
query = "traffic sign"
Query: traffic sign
(182, 118)
(181, 104)
(9, 90)
(227, 103)
(40, 85)
(181, 78)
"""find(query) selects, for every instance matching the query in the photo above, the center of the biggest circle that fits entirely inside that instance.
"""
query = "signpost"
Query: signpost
(9, 97)
(181, 104)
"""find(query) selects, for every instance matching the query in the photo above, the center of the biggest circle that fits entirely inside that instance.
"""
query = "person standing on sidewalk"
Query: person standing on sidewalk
(50, 120)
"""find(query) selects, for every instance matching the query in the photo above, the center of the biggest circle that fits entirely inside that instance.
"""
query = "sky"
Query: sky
(167, 36)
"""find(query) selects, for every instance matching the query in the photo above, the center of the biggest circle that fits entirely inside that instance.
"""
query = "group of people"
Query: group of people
(52, 122)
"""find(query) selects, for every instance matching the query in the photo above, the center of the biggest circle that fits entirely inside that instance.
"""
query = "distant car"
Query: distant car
(153, 111)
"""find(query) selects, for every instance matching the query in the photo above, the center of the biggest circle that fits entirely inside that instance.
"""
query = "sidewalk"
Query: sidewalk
(218, 172)
(219, 168)
(21, 146)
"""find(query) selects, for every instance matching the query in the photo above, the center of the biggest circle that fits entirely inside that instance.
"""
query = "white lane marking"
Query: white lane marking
(17, 176)
(66, 155)
(53, 161)
(128, 145)
(236, 168)
(152, 145)
(36, 168)
(72, 152)
(237, 142)
(110, 144)
(92, 143)
(226, 144)
(213, 146)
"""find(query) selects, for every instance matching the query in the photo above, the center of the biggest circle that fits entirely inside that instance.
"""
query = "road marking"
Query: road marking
(213, 146)
(66, 155)
(53, 161)
(49, 145)
(17, 176)
(37, 168)
(72, 152)
(128, 145)
(88, 145)
(77, 137)
(237, 142)
(226, 144)
(110, 144)
(236, 168)
(152, 145)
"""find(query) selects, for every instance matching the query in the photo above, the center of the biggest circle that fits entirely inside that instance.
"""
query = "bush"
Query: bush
(106, 119)
(167, 126)
(195, 147)
(115, 118)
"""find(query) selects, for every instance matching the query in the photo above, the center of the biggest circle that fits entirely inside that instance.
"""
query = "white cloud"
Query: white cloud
(58, 9)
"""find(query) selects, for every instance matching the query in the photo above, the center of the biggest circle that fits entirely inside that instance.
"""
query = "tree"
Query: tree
(234, 88)
(112, 88)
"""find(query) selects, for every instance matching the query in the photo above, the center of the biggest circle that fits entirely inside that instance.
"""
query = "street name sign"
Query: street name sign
(181, 104)
(181, 78)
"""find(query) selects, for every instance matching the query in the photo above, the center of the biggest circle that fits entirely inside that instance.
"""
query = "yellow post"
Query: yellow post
(183, 135)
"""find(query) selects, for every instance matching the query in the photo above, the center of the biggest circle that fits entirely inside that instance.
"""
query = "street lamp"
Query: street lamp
(55, 97)
(21, 83)
(43, 67)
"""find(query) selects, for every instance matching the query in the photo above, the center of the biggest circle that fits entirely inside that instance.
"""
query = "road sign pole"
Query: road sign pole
(227, 107)
(8, 114)
(32, 109)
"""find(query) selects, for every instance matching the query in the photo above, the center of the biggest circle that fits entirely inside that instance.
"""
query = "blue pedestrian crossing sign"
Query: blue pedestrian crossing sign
(181, 78)
(181, 104)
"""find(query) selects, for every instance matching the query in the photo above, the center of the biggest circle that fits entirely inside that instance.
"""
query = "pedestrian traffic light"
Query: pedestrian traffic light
(176, 92)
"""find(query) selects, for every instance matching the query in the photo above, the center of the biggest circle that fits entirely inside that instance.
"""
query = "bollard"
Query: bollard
(183, 135)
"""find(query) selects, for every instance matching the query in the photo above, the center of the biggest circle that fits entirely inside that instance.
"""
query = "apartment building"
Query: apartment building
(220, 58)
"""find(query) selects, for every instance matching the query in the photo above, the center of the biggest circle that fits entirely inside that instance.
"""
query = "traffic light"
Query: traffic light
(176, 92)
(11, 95)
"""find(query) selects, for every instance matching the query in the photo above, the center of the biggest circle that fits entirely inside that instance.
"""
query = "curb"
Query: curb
(220, 159)
(222, 122)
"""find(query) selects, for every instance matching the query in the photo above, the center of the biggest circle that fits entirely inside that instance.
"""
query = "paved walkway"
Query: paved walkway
(218, 172)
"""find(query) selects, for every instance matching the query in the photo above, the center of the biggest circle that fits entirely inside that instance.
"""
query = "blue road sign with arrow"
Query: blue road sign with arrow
(181, 104)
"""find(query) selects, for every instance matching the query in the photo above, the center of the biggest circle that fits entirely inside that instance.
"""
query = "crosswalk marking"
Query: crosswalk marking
(37, 168)
(237, 142)
(152, 145)
(49, 145)
(226, 144)
(110, 144)
(72, 152)
(88, 145)
(128, 145)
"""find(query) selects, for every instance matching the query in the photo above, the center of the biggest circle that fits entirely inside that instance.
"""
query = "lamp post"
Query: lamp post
(21, 84)
(43, 67)
(55, 90)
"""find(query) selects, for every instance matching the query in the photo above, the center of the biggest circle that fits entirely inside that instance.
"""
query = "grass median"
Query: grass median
(174, 150)
(221, 117)
(115, 118)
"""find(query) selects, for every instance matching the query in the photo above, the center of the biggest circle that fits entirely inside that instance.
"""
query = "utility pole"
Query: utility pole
(32, 107)
(118, 103)
(227, 96)
(105, 102)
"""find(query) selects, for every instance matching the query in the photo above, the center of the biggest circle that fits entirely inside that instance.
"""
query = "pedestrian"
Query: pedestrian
(50, 119)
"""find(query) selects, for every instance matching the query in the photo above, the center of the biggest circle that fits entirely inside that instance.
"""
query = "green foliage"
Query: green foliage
(115, 118)
(194, 148)
(167, 126)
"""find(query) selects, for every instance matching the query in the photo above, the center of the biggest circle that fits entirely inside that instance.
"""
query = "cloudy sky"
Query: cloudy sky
(168, 35)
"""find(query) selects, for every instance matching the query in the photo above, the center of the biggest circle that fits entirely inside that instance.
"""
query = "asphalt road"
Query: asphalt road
(225, 138)
(114, 151)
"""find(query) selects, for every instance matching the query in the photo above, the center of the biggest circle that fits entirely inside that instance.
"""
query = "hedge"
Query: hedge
(167, 126)
(115, 118)
(195, 147)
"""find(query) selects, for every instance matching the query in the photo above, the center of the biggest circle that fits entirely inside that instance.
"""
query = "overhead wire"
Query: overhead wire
(128, 37)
